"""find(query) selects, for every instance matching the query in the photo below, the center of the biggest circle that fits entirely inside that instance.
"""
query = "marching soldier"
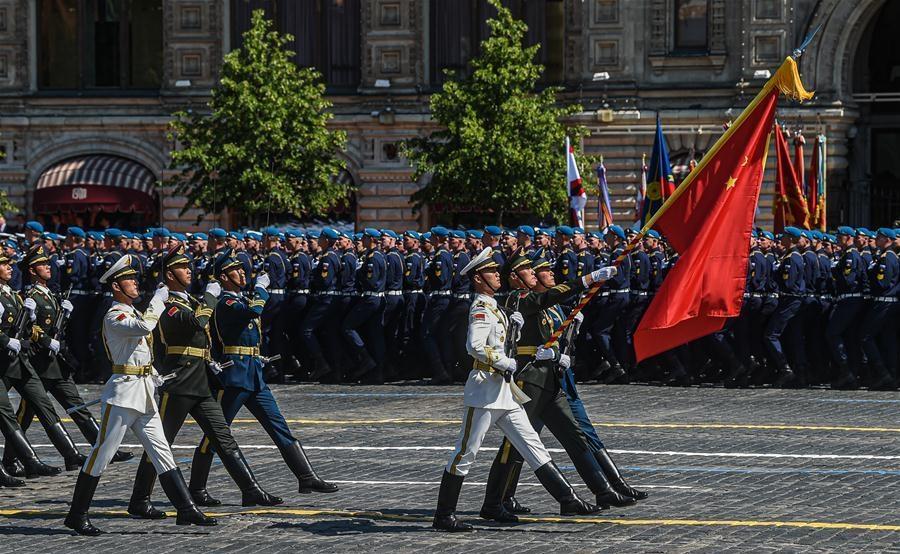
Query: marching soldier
(879, 327)
(613, 301)
(367, 312)
(77, 280)
(236, 329)
(458, 310)
(791, 287)
(297, 296)
(440, 281)
(393, 301)
(490, 400)
(413, 300)
(323, 288)
(129, 403)
(183, 333)
(277, 267)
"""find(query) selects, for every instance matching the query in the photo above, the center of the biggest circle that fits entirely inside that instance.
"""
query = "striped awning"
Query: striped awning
(109, 171)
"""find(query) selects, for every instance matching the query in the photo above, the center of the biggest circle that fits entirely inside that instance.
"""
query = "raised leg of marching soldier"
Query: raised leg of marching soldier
(434, 325)
(66, 393)
(414, 310)
(263, 406)
(293, 321)
(876, 330)
(365, 319)
(393, 324)
(609, 310)
(9, 427)
(173, 410)
(34, 397)
(315, 321)
(844, 318)
(788, 306)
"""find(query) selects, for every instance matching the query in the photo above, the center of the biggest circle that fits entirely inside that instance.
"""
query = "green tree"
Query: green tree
(501, 142)
(264, 146)
(6, 205)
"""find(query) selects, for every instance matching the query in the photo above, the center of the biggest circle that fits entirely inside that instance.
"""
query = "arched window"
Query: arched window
(326, 34)
(100, 44)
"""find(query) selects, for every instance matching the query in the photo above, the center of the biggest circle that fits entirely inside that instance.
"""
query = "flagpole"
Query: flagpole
(780, 79)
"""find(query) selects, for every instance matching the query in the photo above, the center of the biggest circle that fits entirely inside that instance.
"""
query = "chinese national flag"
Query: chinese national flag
(709, 225)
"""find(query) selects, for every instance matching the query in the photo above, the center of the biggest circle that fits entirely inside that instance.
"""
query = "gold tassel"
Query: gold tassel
(787, 79)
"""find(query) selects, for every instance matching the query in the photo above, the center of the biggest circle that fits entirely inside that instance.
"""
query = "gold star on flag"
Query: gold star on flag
(730, 183)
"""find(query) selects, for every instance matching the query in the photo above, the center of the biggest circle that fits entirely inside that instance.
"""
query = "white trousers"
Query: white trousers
(515, 426)
(115, 420)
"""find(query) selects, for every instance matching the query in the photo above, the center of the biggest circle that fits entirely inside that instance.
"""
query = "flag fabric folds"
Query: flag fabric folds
(799, 143)
(708, 221)
(641, 192)
(604, 207)
(817, 185)
(790, 205)
(660, 181)
(577, 195)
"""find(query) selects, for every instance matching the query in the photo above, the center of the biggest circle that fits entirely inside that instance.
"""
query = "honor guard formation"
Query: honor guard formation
(199, 325)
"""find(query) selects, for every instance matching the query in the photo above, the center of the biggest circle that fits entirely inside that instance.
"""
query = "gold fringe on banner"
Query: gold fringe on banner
(787, 79)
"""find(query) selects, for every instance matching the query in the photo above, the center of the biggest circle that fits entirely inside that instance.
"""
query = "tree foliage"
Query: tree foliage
(501, 143)
(264, 146)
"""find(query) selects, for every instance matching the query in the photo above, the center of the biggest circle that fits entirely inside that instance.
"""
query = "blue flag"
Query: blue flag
(660, 181)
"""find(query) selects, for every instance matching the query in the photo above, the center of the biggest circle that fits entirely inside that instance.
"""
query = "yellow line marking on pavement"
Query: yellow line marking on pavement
(751, 426)
(845, 526)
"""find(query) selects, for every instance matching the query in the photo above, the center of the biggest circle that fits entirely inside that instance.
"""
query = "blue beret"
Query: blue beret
(526, 230)
(235, 235)
(217, 233)
(76, 232)
(270, 231)
(551, 232)
(255, 235)
(313, 234)
(95, 235)
(539, 231)
(457, 234)
(793, 232)
(372, 233)
(565, 230)
(805, 234)
(292, 233)
(616, 230)
(113, 233)
(654, 234)
(147, 236)
(886, 232)
(578, 230)
(179, 236)
(47, 236)
(426, 235)
(412, 234)
(357, 236)
(440, 231)
(10, 243)
(594, 235)
(389, 233)
(128, 235)
(330, 233)
(493, 230)
(199, 236)
(475, 234)
(34, 226)
(769, 235)
(161, 232)
(862, 232)
(509, 233)
(846, 231)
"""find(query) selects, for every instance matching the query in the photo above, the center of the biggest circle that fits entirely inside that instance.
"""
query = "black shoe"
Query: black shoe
(7, 480)
(141, 508)
(448, 495)
(615, 478)
(121, 456)
(512, 505)
(785, 377)
(615, 373)
(202, 498)
(75, 461)
(14, 468)
(30, 466)
(252, 493)
(309, 481)
(64, 445)
(498, 513)
(176, 489)
(77, 518)
(559, 488)
(612, 499)
(258, 497)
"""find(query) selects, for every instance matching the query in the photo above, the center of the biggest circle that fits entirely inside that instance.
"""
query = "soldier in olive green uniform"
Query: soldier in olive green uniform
(44, 357)
(183, 345)
(24, 379)
(540, 381)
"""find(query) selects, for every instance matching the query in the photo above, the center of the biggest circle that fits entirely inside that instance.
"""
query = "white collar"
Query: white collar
(486, 299)
(180, 294)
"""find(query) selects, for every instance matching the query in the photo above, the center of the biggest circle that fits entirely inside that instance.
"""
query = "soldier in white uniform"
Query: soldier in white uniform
(491, 398)
(128, 401)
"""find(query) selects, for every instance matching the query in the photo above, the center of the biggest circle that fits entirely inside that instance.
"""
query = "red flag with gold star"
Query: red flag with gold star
(709, 225)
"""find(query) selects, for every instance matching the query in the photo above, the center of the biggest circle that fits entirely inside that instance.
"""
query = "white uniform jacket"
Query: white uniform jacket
(485, 343)
(127, 335)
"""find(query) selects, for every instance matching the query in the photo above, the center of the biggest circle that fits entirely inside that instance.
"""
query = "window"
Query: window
(326, 34)
(457, 28)
(100, 44)
(691, 27)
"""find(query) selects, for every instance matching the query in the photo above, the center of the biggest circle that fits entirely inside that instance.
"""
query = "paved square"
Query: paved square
(728, 470)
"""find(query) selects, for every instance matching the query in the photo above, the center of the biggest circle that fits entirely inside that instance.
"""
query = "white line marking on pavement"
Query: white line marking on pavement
(481, 484)
(554, 450)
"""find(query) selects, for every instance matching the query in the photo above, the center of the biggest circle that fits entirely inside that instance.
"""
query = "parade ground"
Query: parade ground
(727, 470)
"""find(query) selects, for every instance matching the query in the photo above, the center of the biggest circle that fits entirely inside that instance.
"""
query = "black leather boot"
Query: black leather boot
(883, 378)
(77, 519)
(559, 488)
(7, 480)
(199, 476)
(176, 489)
(509, 497)
(846, 378)
(615, 478)
(492, 508)
(139, 506)
(64, 444)
(321, 368)
(614, 374)
(251, 493)
(296, 460)
(785, 377)
(592, 474)
(32, 466)
(445, 514)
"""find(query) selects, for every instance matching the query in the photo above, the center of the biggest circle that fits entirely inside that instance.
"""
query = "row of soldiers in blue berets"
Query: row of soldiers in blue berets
(379, 305)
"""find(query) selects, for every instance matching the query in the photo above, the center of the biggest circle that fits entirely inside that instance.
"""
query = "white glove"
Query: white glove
(507, 364)
(2, 310)
(60, 262)
(565, 361)
(67, 306)
(604, 273)
(54, 346)
(544, 354)
(157, 379)
(160, 294)
(214, 289)
(15, 345)
(579, 317)
(262, 281)
(215, 368)
(517, 318)
(30, 304)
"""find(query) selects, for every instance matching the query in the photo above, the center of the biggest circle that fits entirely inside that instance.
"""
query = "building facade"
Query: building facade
(87, 88)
